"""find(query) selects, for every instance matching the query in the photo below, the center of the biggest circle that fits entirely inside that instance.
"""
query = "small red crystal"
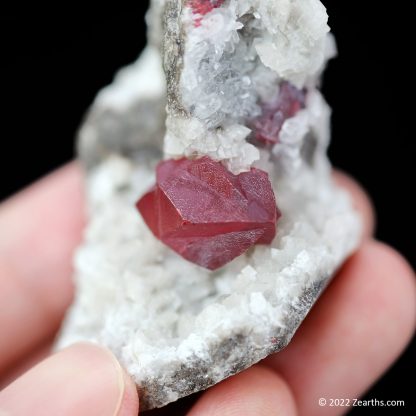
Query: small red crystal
(286, 104)
(208, 215)
(202, 7)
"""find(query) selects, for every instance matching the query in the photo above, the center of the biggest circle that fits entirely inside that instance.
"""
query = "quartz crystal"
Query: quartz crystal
(208, 215)
(227, 94)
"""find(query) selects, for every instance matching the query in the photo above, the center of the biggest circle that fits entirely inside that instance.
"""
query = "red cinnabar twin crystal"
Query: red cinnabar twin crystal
(286, 104)
(208, 215)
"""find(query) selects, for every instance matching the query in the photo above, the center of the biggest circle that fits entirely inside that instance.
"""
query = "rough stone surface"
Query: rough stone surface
(178, 328)
(208, 215)
(128, 117)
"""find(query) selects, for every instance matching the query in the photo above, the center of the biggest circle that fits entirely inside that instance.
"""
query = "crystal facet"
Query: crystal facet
(208, 215)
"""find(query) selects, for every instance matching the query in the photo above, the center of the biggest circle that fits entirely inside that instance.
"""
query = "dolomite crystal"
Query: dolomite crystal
(178, 328)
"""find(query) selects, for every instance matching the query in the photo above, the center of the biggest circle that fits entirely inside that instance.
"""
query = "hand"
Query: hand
(357, 329)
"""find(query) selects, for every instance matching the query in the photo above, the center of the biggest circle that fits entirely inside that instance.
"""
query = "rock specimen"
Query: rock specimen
(239, 82)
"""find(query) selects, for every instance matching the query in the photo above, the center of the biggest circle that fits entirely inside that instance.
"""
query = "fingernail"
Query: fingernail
(81, 380)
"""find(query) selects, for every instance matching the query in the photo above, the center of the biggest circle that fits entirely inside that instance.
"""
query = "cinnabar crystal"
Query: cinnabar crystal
(204, 6)
(207, 214)
(286, 104)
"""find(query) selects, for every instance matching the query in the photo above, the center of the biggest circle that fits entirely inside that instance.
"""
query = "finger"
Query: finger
(358, 328)
(256, 391)
(361, 201)
(35, 357)
(39, 229)
(83, 380)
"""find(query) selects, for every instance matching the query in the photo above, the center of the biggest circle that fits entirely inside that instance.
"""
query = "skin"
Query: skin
(336, 353)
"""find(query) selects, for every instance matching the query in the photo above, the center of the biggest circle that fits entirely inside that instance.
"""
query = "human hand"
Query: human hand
(357, 329)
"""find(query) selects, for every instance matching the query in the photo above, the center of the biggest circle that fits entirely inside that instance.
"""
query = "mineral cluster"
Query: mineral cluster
(209, 151)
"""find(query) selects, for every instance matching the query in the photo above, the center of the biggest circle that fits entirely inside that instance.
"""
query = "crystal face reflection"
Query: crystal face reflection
(208, 215)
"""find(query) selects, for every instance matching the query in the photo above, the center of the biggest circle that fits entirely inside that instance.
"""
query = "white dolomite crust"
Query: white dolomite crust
(235, 56)
(188, 137)
(178, 328)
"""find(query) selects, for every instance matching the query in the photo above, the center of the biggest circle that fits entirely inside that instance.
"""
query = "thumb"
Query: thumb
(82, 380)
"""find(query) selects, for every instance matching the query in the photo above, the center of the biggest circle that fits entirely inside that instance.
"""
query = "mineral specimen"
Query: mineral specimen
(239, 83)
(207, 214)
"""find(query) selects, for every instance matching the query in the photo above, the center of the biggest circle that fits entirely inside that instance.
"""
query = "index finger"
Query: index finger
(40, 228)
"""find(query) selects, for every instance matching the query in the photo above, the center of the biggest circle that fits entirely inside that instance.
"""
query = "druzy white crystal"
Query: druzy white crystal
(294, 46)
(236, 55)
(186, 137)
(175, 327)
